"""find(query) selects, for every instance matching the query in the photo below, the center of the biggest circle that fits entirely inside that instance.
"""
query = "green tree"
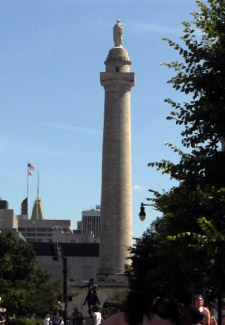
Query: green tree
(115, 304)
(200, 76)
(25, 288)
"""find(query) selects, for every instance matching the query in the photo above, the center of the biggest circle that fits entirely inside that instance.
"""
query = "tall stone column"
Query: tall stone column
(116, 196)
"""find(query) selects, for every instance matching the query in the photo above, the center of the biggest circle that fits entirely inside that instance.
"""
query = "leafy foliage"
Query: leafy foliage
(186, 245)
(202, 75)
(25, 288)
(115, 305)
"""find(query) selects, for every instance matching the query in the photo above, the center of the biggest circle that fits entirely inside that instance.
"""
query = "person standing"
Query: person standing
(2, 318)
(213, 320)
(76, 317)
(199, 304)
(46, 320)
(55, 319)
(61, 321)
(96, 315)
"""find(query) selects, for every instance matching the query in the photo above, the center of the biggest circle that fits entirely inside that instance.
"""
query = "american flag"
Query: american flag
(30, 166)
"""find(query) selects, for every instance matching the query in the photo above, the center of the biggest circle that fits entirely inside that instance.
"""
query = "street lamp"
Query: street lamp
(57, 255)
(142, 213)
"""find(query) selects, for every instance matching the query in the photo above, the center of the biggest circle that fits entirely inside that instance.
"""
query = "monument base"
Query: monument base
(112, 279)
(107, 290)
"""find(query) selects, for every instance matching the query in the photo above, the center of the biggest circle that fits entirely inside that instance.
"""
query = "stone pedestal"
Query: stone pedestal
(106, 291)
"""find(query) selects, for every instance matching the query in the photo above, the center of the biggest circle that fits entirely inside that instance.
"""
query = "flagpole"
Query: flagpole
(38, 187)
(30, 168)
(37, 195)
(27, 191)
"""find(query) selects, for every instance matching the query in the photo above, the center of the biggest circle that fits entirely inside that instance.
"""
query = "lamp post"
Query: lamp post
(142, 213)
(57, 255)
(64, 260)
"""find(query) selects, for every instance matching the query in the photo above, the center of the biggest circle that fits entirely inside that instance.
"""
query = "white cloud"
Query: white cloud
(67, 127)
(154, 28)
(139, 188)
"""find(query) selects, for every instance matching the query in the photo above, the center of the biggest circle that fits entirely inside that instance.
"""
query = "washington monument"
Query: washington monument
(116, 195)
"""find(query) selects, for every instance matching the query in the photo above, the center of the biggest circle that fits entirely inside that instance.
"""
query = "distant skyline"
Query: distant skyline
(52, 103)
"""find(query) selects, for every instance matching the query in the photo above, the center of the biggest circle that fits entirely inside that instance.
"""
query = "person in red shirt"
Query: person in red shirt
(199, 303)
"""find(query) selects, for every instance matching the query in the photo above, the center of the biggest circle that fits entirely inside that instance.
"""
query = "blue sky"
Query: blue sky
(52, 104)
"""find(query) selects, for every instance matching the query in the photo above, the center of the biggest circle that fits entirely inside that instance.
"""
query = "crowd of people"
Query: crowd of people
(78, 319)
(54, 319)
(163, 311)
(75, 319)
(138, 310)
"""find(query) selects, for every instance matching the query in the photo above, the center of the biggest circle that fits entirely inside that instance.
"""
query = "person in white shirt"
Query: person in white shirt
(46, 320)
(96, 315)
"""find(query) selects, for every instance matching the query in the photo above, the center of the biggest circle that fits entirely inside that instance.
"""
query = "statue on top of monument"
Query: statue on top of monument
(118, 33)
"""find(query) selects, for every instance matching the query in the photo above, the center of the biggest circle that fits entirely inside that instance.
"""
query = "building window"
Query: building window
(117, 69)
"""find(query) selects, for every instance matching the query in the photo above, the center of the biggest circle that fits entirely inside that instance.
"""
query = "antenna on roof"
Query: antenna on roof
(38, 187)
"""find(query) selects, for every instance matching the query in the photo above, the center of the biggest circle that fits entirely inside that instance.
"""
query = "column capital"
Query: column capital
(114, 80)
